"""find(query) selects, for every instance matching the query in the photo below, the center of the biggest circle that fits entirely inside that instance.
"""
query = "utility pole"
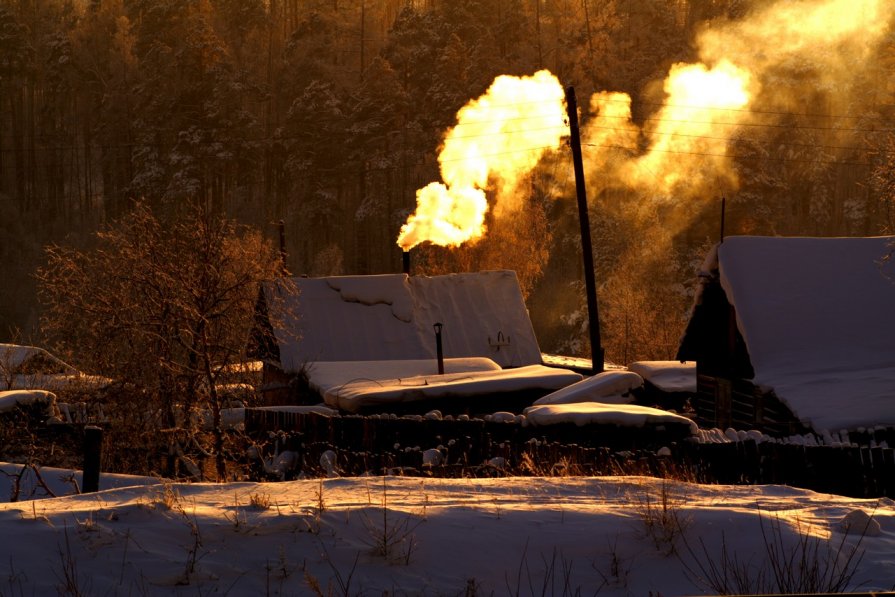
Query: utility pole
(281, 227)
(723, 209)
(363, 28)
(590, 283)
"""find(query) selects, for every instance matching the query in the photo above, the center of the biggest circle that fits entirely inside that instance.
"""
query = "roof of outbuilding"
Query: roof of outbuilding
(818, 318)
(391, 317)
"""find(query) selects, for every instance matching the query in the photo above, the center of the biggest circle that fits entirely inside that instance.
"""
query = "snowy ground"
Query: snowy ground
(414, 536)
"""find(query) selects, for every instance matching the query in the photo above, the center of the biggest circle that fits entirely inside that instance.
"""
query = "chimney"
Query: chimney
(439, 352)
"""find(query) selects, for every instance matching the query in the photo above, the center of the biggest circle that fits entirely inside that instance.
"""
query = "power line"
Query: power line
(558, 129)
(755, 111)
(736, 157)
(512, 132)
(852, 148)
(774, 125)
(771, 125)
(508, 152)
(758, 141)
(782, 113)
(277, 138)
(623, 148)
(637, 150)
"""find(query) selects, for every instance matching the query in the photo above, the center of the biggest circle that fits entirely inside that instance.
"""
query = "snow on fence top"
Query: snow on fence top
(623, 415)
(391, 317)
(818, 319)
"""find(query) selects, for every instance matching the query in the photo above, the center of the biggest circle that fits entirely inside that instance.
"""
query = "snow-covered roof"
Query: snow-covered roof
(608, 387)
(818, 318)
(363, 392)
(12, 356)
(391, 317)
(10, 399)
(668, 376)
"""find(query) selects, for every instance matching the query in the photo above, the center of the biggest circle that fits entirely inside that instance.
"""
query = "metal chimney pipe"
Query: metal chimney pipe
(439, 354)
(93, 453)
(405, 262)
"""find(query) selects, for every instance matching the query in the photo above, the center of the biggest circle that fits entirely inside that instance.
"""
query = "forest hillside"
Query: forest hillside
(330, 115)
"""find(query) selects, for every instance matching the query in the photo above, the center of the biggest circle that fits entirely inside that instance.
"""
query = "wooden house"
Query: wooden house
(795, 334)
(354, 338)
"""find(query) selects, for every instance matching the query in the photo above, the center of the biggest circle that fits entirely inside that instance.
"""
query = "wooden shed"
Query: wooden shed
(795, 334)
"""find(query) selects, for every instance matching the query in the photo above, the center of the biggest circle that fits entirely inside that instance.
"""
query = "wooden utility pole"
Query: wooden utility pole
(281, 228)
(590, 283)
(363, 32)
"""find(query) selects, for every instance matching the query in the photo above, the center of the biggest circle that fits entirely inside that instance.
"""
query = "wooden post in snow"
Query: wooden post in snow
(590, 284)
(93, 451)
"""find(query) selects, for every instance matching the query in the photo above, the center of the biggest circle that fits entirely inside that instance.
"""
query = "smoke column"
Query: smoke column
(498, 139)
(751, 72)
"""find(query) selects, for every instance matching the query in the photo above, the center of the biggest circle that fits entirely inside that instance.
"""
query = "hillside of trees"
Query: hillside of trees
(328, 114)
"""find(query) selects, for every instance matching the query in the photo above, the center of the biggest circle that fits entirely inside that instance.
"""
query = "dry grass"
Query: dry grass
(391, 536)
(260, 501)
(801, 564)
(664, 523)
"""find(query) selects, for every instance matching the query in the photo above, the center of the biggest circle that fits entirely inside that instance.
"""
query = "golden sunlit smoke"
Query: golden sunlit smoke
(685, 141)
(827, 41)
(773, 60)
(688, 142)
(610, 133)
(753, 71)
(499, 138)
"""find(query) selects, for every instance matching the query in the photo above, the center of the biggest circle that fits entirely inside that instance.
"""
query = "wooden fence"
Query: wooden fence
(384, 445)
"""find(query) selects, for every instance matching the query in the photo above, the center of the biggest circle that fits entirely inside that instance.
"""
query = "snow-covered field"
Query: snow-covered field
(421, 536)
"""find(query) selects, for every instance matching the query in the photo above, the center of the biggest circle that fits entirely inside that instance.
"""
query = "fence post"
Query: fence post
(93, 451)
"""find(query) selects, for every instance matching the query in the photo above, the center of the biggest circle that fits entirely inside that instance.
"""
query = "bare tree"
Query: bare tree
(165, 304)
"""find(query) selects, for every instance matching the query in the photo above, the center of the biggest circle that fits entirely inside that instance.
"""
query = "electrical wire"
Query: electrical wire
(587, 125)
(736, 157)
(781, 113)
(500, 153)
